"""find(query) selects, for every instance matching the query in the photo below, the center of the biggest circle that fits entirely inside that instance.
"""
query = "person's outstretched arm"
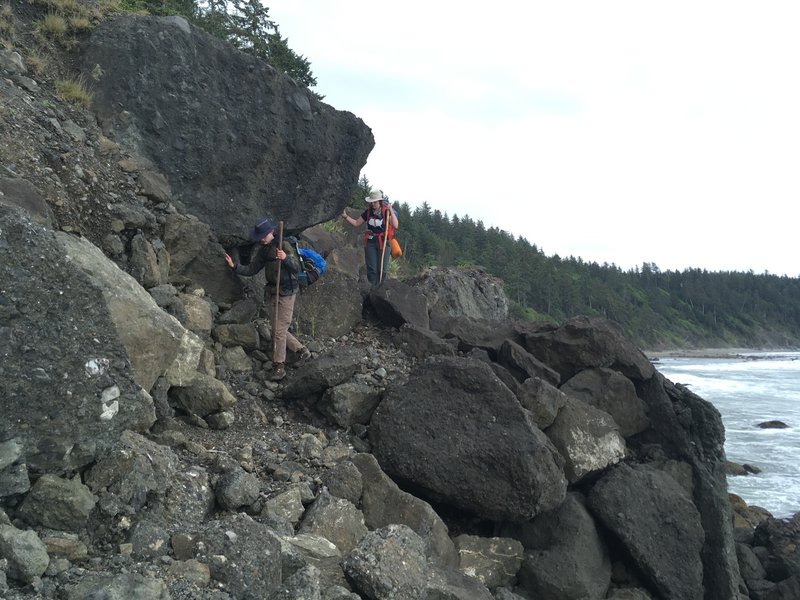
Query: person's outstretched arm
(351, 220)
(253, 268)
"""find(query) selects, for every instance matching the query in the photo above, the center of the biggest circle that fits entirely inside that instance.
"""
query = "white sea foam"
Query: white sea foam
(747, 392)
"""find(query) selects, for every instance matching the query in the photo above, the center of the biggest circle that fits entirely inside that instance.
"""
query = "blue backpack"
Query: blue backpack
(312, 263)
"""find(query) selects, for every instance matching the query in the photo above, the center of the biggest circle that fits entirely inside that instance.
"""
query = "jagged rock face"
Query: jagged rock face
(70, 385)
(566, 556)
(236, 139)
(587, 438)
(396, 303)
(583, 343)
(384, 503)
(612, 392)
(458, 434)
(399, 572)
(472, 333)
(151, 338)
(329, 308)
(22, 193)
(782, 538)
(635, 503)
(690, 428)
(253, 566)
(468, 292)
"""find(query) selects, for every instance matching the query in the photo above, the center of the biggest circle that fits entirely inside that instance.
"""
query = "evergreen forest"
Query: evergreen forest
(694, 308)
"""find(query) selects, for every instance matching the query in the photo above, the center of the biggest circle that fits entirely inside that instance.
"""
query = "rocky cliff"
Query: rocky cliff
(430, 448)
(234, 138)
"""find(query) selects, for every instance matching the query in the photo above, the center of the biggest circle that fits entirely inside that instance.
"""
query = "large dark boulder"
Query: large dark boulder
(236, 138)
(135, 472)
(331, 307)
(390, 563)
(583, 343)
(689, 429)
(565, 556)
(125, 585)
(384, 503)
(420, 342)
(396, 304)
(781, 537)
(463, 292)
(251, 568)
(587, 438)
(472, 333)
(58, 503)
(322, 240)
(612, 392)
(658, 525)
(73, 356)
(317, 376)
(459, 436)
(523, 365)
(196, 256)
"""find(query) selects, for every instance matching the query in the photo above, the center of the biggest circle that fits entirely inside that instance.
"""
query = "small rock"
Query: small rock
(773, 425)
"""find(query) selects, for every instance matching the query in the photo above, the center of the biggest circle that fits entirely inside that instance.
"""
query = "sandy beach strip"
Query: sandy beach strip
(709, 352)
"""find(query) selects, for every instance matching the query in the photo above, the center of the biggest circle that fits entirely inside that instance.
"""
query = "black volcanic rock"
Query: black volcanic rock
(773, 425)
(79, 346)
(456, 433)
(236, 139)
(583, 343)
(635, 503)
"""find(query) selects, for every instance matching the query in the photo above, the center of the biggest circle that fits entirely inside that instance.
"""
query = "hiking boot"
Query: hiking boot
(278, 372)
(303, 354)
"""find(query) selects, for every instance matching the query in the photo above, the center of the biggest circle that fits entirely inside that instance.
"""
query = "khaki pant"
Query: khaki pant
(281, 338)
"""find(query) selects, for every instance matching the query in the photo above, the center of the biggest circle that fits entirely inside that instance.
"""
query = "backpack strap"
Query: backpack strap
(387, 227)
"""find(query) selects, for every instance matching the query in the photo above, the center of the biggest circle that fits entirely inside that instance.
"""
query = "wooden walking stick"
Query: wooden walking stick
(385, 239)
(277, 292)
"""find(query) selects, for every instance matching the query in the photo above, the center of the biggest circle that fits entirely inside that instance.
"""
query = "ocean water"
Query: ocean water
(746, 391)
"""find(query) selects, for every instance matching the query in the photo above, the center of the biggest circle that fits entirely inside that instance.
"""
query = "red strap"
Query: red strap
(388, 224)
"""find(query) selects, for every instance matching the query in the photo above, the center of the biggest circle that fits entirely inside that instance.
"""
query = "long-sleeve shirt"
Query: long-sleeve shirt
(267, 258)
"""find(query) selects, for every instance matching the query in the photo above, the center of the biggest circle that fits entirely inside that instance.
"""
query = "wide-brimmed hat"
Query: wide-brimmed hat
(261, 229)
(374, 196)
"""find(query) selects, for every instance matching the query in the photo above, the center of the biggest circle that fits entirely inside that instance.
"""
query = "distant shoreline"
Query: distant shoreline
(712, 352)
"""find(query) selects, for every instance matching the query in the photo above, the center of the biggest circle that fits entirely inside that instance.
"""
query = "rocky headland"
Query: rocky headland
(431, 448)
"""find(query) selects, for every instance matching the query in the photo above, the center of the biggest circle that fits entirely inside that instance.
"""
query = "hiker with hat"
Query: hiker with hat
(278, 262)
(381, 220)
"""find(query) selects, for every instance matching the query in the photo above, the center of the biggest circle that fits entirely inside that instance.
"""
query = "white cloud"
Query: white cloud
(618, 131)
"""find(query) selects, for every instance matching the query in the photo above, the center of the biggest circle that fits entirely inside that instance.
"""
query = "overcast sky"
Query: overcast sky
(619, 132)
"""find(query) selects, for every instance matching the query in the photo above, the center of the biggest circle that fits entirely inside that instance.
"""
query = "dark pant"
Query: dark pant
(372, 258)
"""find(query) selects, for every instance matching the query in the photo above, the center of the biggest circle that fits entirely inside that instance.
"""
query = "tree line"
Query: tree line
(656, 309)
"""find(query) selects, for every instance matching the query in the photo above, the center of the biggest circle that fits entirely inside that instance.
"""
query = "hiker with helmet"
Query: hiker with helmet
(380, 219)
(277, 262)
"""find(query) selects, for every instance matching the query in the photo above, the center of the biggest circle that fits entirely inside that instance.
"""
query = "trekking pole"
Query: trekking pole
(385, 239)
(277, 292)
